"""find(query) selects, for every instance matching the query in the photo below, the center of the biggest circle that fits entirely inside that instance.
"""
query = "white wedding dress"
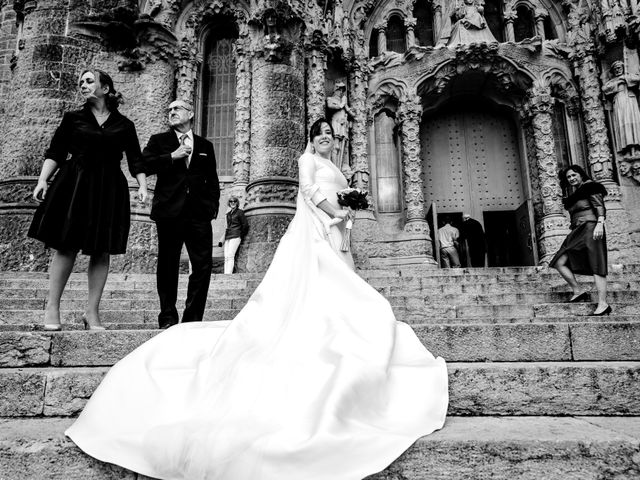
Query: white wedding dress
(313, 380)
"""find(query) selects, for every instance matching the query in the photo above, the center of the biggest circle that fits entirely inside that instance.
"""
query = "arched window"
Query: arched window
(387, 163)
(493, 16)
(524, 26)
(219, 96)
(549, 29)
(396, 39)
(424, 23)
(373, 44)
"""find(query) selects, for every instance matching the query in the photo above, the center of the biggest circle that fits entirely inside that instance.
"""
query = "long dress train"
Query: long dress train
(314, 379)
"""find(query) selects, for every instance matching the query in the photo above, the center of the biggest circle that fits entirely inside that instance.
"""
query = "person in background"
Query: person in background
(584, 251)
(449, 235)
(86, 207)
(472, 241)
(236, 229)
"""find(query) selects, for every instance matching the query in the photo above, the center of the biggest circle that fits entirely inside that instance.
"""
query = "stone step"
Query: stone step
(410, 301)
(514, 388)
(31, 320)
(467, 448)
(18, 319)
(244, 291)
(512, 342)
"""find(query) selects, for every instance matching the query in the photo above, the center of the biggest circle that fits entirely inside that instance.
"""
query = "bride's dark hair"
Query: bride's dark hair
(316, 128)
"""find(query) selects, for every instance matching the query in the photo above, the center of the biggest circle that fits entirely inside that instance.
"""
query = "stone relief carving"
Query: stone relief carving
(276, 31)
(341, 115)
(359, 81)
(470, 25)
(409, 117)
(625, 113)
(540, 108)
(242, 142)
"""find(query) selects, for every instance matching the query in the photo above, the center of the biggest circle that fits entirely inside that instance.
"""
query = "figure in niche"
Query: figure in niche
(470, 25)
(625, 115)
(341, 113)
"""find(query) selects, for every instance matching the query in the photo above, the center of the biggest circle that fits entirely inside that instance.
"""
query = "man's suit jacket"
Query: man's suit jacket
(182, 192)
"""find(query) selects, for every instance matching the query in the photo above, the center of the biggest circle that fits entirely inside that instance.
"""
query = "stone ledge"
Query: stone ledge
(467, 448)
(545, 388)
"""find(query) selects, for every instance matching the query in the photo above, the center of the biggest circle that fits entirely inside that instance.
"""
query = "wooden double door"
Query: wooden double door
(472, 164)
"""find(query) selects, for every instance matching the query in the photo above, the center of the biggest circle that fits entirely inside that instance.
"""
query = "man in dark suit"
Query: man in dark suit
(186, 199)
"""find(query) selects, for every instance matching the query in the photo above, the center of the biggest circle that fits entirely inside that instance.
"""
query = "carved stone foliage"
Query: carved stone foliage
(118, 26)
(482, 58)
(164, 12)
(564, 89)
(409, 116)
(189, 61)
(316, 95)
(358, 82)
(540, 108)
(242, 143)
(276, 31)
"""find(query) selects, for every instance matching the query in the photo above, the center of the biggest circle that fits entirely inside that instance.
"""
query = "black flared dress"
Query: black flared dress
(586, 255)
(87, 205)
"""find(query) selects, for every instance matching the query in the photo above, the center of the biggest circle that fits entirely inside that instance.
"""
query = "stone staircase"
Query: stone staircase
(539, 389)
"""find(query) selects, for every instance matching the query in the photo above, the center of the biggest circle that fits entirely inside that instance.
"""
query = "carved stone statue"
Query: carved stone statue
(470, 26)
(625, 115)
(342, 113)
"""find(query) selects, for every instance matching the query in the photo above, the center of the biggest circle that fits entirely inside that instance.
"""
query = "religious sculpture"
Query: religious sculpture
(625, 115)
(342, 113)
(470, 25)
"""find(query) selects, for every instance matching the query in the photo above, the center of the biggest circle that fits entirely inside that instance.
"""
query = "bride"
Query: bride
(314, 379)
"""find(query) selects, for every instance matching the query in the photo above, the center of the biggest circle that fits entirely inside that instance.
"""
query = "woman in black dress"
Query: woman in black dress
(86, 207)
(584, 251)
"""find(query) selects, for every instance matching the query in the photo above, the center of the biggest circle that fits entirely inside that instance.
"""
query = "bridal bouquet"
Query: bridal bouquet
(353, 199)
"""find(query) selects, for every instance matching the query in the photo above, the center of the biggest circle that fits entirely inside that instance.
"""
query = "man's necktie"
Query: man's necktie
(184, 139)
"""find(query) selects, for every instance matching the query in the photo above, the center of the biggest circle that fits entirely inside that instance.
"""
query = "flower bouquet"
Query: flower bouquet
(353, 199)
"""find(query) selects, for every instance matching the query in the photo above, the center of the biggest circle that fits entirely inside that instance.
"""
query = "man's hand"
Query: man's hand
(183, 151)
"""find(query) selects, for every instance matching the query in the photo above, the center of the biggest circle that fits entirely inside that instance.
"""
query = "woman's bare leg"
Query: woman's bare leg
(567, 274)
(59, 271)
(97, 274)
(601, 287)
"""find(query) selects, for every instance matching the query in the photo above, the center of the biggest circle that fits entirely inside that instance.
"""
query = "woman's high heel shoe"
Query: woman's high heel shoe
(582, 297)
(606, 311)
(87, 326)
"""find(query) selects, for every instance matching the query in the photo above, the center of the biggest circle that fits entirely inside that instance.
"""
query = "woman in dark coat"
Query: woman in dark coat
(86, 208)
(584, 251)
(237, 228)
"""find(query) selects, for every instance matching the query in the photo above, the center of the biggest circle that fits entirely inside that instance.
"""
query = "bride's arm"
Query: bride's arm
(310, 190)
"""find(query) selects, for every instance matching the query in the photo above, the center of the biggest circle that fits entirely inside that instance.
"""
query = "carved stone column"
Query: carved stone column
(242, 144)
(437, 21)
(189, 62)
(410, 25)
(552, 227)
(540, 16)
(358, 83)
(381, 28)
(510, 17)
(316, 94)
(277, 132)
(409, 116)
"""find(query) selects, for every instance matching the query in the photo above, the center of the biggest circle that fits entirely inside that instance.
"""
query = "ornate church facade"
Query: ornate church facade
(440, 107)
